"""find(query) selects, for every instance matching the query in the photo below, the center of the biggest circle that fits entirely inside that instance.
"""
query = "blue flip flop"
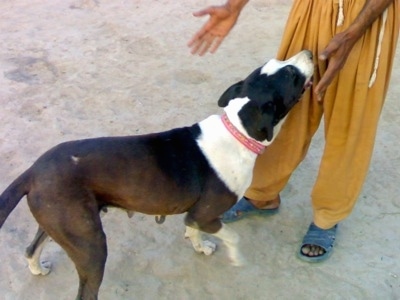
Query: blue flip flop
(324, 238)
(243, 209)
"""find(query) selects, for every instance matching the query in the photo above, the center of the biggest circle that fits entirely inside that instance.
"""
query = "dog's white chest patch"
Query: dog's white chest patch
(232, 162)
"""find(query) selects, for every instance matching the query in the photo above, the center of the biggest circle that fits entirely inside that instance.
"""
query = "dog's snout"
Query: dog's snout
(309, 54)
(302, 60)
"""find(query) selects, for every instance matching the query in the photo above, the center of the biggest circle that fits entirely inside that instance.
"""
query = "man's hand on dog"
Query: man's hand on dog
(336, 53)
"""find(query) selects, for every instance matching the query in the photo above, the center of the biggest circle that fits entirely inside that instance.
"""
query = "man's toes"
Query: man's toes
(312, 250)
(306, 249)
(321, 251)
(316, 251)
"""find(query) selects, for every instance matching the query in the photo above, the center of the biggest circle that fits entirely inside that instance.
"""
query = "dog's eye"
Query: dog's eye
(292, 71)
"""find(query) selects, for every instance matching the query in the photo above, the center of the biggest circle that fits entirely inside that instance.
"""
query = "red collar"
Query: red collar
(249, 143)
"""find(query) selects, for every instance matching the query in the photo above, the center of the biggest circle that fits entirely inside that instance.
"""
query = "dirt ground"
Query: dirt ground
(72, 70)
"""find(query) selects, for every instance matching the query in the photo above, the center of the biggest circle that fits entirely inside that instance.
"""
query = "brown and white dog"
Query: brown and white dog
(202, 170)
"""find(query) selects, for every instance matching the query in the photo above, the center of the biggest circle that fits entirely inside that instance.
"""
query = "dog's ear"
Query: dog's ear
(231, 93)
(269, 128)
(267, 124)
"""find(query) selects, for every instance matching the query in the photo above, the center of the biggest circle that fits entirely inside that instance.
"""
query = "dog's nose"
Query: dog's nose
(309, 54)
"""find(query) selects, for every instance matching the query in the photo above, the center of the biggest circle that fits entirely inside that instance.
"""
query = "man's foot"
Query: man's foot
(317, 244)
(246, 208)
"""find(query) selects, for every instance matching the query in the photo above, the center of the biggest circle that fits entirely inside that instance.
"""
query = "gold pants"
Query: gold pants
(350, 109)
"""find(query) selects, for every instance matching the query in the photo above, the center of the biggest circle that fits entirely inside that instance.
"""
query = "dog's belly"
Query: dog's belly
(148, 192)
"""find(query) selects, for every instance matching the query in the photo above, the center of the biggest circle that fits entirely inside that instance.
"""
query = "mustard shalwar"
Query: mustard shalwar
(350, 110)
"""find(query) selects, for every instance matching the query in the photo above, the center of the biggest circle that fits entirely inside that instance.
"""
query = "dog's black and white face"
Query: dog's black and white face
(265, 97)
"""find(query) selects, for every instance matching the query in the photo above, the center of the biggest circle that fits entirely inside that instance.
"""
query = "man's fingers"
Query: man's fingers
(319, 92)
(203, 42)
(323, 56)
(323, 84)
(204, 47)
(203, 12)
(216, 43)
(195, 47)
(198, 36)
(201, 46)
(332, 47)
(201, 34)
(210, 43)
(330, 72)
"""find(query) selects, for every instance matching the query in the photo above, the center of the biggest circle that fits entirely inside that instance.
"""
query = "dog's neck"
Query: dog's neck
(249, 143)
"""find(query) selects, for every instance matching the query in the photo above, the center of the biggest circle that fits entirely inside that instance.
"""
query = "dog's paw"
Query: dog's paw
(237, 261)
(206, 247)
(200, 245)
(209, 247)
(43, 268)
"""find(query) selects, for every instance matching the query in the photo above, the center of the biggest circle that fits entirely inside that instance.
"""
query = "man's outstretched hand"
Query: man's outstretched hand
(210, 36)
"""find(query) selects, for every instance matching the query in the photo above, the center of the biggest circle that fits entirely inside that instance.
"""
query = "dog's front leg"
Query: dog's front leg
(231, 240)
(199, 245)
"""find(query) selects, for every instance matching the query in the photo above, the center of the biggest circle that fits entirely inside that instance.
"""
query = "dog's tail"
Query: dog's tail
(13, 194)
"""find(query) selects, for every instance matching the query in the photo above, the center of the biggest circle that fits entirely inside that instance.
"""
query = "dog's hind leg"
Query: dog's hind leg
(73, 221)
(33, 252)
(85, 243)
(90, 261)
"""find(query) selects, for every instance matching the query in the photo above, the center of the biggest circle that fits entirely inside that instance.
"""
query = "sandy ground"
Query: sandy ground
(72, 70)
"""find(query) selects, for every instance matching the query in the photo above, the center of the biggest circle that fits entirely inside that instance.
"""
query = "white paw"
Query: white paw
(200, 245)
(43, 269)
(237, 261)
(205, 247)
(208, 247)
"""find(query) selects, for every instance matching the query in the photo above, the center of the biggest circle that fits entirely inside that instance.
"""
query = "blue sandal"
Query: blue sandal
(324, 238)
(244, 208)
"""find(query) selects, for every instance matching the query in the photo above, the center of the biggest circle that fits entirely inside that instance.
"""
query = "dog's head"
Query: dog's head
(260, 103)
